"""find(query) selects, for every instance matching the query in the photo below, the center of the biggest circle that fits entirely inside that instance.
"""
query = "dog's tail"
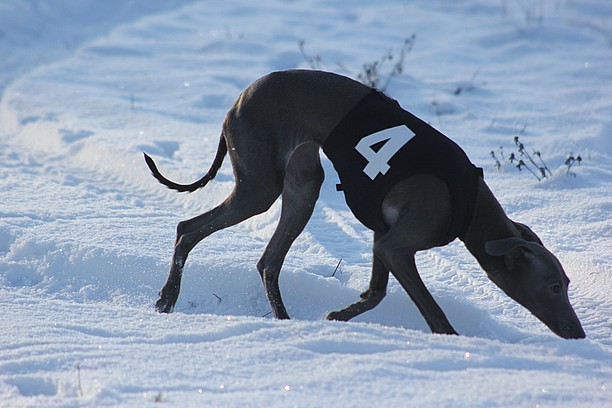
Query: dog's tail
(190, 188)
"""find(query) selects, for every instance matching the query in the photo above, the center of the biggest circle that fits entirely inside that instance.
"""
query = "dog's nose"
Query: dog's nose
(571, 330)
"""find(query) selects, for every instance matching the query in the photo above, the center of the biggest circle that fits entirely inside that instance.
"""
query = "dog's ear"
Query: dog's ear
(512, 249)
(527, 233)
(502, 247)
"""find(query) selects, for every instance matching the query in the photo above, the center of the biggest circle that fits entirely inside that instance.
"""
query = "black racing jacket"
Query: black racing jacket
(378, 144)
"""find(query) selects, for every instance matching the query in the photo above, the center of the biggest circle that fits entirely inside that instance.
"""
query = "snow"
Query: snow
(86, 233)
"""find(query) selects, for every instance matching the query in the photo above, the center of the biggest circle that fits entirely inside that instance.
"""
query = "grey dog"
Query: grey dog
(404, 180)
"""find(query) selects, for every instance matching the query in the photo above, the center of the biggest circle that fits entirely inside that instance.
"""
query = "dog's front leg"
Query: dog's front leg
(371, 297)
(400, 261)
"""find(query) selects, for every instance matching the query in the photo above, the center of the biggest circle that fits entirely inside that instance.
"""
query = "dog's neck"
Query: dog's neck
(489, 223)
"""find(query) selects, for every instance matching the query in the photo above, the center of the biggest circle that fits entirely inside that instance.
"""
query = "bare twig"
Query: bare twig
(370, 74)
(571, 160)
(337, 267)
(497, 162)
(398, 68)
(521, 164)
(523, 152)
(470, 86)
(315, 62)
(538, 169)
(537, 153)
(79, 380)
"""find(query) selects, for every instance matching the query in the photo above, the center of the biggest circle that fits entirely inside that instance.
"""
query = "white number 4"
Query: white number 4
(378, 160)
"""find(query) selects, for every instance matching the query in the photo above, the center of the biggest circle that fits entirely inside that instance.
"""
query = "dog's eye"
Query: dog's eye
(555, 288)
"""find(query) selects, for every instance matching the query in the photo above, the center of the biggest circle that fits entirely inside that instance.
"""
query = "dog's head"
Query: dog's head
(534, 277)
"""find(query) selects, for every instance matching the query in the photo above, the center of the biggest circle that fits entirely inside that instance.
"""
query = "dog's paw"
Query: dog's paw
(339, 315)
(164, 306)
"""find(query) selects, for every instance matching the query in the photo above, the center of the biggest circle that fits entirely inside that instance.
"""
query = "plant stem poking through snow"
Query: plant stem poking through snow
(470, 85)
(541, 170)
(498, 164)
(79, 380)
(523, 152)
(370, 74)
(313, 61)
(337, 267)
(521, 164)
(569, 162)
(537, 153)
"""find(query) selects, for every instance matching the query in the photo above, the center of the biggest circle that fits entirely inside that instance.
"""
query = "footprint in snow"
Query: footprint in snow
(161, 148)
(49, 117)
(70, 136)
(32, 386)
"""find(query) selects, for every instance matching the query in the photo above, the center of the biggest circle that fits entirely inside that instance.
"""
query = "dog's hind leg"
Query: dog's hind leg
(371, 297)
(303, 178)
(250, 197)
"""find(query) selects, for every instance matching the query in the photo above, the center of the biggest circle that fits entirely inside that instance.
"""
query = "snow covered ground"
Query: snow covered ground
(86, 233)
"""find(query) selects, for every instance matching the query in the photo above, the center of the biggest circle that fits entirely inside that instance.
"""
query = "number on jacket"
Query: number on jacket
(378, 160)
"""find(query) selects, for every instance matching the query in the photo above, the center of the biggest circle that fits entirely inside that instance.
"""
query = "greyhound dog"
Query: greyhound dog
(411, 201)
